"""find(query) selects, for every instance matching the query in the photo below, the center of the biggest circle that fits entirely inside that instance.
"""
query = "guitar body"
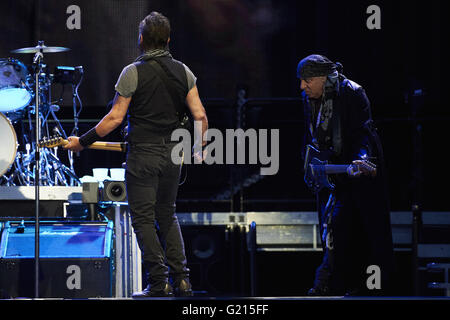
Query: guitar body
(316, 177)
(317, 170)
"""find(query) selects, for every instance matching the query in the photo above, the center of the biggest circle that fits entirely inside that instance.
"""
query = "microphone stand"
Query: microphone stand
(416, 102)
(37, 62)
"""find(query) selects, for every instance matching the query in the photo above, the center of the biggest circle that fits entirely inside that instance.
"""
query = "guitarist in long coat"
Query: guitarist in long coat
(354, 216)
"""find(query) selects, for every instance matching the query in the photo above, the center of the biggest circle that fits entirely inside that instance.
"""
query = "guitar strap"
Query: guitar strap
(336, 124)
(162, 72)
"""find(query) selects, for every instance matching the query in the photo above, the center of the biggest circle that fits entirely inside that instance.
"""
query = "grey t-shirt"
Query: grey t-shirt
(127, 83)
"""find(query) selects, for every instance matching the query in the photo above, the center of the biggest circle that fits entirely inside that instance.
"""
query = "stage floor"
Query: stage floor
(247, 299)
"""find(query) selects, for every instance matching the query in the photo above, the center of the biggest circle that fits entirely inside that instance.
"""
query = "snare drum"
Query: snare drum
(14, 94)
(9, 144)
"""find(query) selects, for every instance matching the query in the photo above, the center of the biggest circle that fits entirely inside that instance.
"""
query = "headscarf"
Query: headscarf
(315, 65)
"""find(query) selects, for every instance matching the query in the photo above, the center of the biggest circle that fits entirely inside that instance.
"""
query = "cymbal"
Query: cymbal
(40, 48)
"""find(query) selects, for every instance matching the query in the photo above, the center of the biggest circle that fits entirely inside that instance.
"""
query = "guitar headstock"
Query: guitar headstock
(362, 167)
(52, 142)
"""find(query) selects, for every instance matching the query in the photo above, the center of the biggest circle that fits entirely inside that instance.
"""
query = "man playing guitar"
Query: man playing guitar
(353, 209)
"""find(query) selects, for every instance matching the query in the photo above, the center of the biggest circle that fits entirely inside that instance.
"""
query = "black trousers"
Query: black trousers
(152, 185)
(361, 236)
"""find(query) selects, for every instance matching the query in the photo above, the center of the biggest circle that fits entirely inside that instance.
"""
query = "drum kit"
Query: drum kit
(23, 88)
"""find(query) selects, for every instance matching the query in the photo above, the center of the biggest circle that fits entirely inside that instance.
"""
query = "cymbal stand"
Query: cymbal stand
(37, 62)
(76, 113)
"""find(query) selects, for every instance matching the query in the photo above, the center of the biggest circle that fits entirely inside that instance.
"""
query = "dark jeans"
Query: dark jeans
(152, 184)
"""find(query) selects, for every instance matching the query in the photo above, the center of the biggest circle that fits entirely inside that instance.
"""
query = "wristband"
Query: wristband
(89, 138)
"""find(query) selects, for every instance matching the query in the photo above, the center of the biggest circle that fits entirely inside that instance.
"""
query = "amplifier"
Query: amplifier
(74, 259)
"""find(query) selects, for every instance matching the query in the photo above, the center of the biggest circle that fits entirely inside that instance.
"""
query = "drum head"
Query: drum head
(13, 91)
(9, 145)
(12, 99)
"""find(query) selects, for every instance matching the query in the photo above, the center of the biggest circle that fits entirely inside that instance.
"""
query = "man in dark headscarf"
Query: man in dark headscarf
(354, 216)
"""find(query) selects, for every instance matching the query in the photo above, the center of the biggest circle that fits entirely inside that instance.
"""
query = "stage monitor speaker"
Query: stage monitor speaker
(215, 259)
(75, 259)
(114, 191)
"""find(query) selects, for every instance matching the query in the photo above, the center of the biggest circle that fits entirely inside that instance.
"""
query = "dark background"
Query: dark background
(256, 44)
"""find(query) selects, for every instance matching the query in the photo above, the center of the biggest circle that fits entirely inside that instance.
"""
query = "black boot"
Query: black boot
(150, 292)
(183, 288)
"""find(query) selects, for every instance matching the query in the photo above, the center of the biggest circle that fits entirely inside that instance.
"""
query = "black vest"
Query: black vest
(151, 113)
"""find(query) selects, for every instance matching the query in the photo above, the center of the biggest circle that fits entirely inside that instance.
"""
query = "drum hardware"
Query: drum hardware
(24, 85)
(73, 76)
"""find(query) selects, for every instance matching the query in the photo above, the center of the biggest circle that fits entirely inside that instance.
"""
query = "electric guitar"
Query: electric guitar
(317, 171)
(55, 141)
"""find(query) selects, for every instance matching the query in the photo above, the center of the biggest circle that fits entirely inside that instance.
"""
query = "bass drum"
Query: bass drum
(14, 92)
(9, 144)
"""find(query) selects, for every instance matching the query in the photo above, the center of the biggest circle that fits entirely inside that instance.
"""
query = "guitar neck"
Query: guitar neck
(335, 168)
(109, 146)
(105, 145)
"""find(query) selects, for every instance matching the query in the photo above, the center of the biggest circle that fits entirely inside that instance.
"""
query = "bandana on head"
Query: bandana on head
(315, 65)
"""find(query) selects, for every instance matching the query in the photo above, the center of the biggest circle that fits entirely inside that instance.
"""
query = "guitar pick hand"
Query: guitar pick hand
(362, 167)
(74, 144)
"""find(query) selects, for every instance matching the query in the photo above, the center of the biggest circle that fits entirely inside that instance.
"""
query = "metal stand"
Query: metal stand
(37, 62)
(127, 254)
(416, 227)
(252, 249)
(416, 103)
